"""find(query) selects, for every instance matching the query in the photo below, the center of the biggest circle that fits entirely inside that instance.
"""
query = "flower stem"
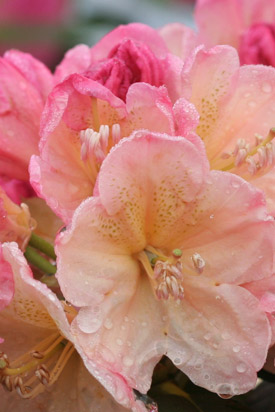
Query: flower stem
(38, 243)
(37, 260)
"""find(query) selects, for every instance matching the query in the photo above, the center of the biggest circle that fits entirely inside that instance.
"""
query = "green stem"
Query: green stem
(38, 243)
(37, 260)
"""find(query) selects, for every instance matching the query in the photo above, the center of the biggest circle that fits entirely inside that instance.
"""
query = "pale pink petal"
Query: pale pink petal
(165, 159)
(206, 76)
(231, 231)
(33, 70)
(33, 302)
(110, 239)
(6, 282)
(114, 346)
(76, 60)
(180, 39)
(148, 107)
(264, 290)
(135, 31)
(218, 336)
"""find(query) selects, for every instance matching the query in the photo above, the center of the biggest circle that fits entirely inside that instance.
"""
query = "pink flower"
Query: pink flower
(24, 85)
(38, 351)
(155, 262)
(236, 112)
(16, 223)
(127, 55)
(81, 122)
(247, 25)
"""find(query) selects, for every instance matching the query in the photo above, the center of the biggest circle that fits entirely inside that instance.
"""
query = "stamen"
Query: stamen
(97, 144)
(37, 369)
(198, 262)
(116, 135)
(264, 150)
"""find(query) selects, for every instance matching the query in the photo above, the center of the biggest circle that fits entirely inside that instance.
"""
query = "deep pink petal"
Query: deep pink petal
(76, 60)
(33, 70)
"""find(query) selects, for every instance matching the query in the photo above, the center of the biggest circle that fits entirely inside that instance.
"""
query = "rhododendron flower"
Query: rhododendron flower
(81, 122)
(247, 25)
(236, 112)
(37, 323)
(155, 262)
(16, 223)
(24, 85)
(128, 54)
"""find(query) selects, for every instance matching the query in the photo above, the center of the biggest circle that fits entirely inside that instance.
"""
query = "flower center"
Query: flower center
(167, 273)
(257, 158)
(40, 367)
(96, 143)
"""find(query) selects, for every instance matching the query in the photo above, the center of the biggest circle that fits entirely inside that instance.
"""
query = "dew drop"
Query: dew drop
(236, 185)
(126, 318)
(252, 103)
(226, 336)
(119, 342)
(241, 368)
(224, 390)
(211, 217)
(206, 376)
(198, 366)
(236, 348)
(108, 324)
(127, 361)
(207, 336)
(266, 88)
(218, 297)
(177, 361)
(144, 324)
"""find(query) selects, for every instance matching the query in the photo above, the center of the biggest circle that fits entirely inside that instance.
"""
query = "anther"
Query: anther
(7, 383)
(36, 354)
(252, 165)
(43, 375)
(198, 262)
(19, 387)
(116, 135)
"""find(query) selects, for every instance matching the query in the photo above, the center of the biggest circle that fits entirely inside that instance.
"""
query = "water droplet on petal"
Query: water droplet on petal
(266, 87)
(207, 336)
(127, 361)
(226, 336)
(241, 368)
(224, 390)
(211, 217)
(119, 342)
(177, 361)
(206, 376)
(108, 324)
(252, 104)
(236, 348)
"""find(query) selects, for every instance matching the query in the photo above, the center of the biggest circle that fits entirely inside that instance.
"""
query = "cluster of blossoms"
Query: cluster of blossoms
(148, 160)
